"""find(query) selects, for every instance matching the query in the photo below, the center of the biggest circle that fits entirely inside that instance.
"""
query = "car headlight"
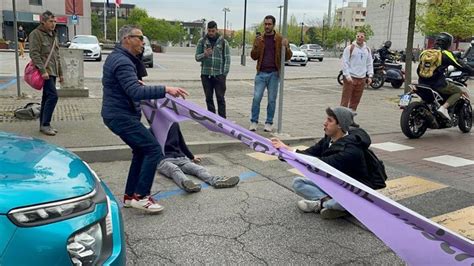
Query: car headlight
(85, 246)
(52, 212)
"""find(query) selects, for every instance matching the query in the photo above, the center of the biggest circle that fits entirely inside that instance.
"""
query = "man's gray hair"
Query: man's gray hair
(126, 30)
(46, 15)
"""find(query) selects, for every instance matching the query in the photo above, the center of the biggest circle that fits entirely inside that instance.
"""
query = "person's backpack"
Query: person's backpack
(28, 112)
(430, 60)
(376, 169)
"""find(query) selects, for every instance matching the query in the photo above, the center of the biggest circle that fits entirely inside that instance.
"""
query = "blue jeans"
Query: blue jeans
(308, 190)
(146, 153)
(270, 81)
(48, 101)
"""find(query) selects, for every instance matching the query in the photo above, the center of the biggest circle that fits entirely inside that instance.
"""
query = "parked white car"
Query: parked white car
(298, 57)
(90, 44)
(313, 51)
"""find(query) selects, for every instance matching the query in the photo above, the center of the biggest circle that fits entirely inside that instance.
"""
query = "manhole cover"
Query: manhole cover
(62, 112)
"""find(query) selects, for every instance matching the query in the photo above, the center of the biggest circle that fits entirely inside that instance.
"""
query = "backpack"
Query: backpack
(376, 169)
(430, 60)
(352, 50)
(28, 112)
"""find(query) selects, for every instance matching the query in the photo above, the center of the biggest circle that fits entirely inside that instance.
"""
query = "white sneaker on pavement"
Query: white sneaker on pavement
(444, 112)
(147, 204)
(268, 128)
(309, 205)
(253, 126)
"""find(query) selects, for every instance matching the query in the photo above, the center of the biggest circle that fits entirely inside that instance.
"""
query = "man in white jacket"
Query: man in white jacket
(357, 69)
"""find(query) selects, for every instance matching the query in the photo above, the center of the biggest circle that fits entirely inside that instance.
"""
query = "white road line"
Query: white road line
(450, 160)
(390, 146)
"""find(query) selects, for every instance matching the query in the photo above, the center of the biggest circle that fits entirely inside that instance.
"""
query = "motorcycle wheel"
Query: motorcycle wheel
(340, 79)
(397, 83)
(377, 81)
(465, 118)
(412, 121)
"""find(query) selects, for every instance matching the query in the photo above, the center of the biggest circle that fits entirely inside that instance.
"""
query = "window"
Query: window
(36, 2)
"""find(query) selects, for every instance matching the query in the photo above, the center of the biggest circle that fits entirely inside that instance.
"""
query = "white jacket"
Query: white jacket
(359, 64)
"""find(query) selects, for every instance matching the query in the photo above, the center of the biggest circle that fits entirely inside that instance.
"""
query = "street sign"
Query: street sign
(75, 19)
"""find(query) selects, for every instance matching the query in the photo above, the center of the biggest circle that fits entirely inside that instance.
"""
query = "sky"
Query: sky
(190, 10)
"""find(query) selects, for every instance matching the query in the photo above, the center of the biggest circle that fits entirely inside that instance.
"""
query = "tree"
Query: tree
(137, 15)
(367, 30)
(314, 35)
(111, 27)
(453, 16)
(95, 26)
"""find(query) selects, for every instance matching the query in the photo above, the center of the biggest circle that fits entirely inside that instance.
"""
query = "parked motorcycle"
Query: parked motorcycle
(392, 71)
(418, 116)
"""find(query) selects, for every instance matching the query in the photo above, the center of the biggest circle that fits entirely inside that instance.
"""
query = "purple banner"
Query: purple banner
(413, 237)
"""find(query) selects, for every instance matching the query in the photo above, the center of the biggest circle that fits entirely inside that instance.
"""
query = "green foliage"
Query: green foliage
(137, 15)
(111, 27)
(95, 27)
(314, 35)
(453, 16)
(367, 30)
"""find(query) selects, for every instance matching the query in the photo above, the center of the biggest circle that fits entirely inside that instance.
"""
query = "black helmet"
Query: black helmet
(388, 44)
(444, 40)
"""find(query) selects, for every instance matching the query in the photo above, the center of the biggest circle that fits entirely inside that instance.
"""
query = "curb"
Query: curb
(124, 153)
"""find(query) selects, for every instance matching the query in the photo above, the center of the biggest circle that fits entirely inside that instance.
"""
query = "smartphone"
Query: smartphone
(258, 33)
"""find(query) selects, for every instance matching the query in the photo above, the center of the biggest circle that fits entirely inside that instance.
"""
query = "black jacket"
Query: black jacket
(385, 54)
(438, 80)
(175, 145)
(346, 154)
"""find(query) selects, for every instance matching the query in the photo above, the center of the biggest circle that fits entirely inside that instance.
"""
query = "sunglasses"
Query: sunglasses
(137, 36)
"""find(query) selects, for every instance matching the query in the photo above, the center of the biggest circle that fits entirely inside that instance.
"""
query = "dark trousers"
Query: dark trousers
(211, 84)
(146, 153)
(48, 101)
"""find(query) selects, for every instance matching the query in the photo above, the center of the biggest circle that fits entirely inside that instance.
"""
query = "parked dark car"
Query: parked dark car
(147, 53)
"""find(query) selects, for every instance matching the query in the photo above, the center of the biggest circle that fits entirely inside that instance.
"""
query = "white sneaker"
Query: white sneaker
(309, 205)
(146, 204)
(253, 126)
(268, 128)
(444, 112)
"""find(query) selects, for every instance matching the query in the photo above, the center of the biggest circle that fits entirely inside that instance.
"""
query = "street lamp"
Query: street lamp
(225, 9)
(302, 40)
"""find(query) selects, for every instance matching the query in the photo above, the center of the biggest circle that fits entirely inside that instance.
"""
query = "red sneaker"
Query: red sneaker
(127, 200)
(147, 204)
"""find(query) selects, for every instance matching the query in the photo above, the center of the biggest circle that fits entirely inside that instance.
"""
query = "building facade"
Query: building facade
(352, 16)
(29, 12)
(389, 21)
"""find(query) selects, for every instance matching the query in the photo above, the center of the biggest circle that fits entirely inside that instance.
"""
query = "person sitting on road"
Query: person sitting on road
(432, 68)
(343, 148)
(179, 161)
(385, 53)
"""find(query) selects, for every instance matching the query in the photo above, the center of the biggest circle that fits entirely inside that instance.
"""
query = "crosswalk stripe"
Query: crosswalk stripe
(390, 146)
(460, 221)
(409, 186)
(262, 156)
(450, 160)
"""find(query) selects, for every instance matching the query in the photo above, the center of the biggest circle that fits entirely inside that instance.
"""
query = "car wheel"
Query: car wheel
(303, 64)
(150, 65)
(99, 58)
(320, 60)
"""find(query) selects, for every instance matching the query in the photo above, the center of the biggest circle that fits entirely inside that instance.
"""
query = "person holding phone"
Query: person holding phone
(214, 54)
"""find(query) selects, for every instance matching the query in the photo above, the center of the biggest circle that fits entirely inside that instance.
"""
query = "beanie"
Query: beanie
(344, 116)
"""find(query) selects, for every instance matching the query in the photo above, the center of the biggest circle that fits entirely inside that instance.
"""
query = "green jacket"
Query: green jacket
(40, 46)
(216, 64)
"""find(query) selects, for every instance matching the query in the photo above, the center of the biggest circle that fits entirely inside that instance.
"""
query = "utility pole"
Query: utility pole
(225, 18)
(243, 57)
(105, 19)
(409, 49)
(302, 39)
(282, 69)
(74, 13)
(279, 21)
(17, 61)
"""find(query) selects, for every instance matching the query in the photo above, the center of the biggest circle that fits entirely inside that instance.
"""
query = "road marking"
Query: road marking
(460, 221)
(390, 146)
(450, 160)
(409, 186)
(262, 156)
(295, 171)
(247, 83)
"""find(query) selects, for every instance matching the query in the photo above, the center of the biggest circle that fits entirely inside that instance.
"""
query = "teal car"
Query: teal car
(54, 210)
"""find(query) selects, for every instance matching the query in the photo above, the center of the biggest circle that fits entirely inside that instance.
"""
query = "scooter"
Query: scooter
(393, 72)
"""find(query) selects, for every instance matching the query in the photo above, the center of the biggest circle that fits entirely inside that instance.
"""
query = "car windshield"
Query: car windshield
(294, 47)
(85, 39)
(314, 46)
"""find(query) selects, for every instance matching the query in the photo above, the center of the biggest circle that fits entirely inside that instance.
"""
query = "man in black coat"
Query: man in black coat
(343, 149)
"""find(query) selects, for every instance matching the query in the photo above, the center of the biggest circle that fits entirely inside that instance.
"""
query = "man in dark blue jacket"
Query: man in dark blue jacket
(123, 91)
(341, 148)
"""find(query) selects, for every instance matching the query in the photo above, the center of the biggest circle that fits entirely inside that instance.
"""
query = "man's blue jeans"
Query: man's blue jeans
(48, 101)
(146, 153)
(270, 81)
(308, 190)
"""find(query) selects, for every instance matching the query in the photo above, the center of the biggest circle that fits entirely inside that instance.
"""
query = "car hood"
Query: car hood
(84, 46)
(33, 171)
(299, 53)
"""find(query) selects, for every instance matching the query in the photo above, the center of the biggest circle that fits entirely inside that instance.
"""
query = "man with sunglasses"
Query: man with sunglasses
(123, 89)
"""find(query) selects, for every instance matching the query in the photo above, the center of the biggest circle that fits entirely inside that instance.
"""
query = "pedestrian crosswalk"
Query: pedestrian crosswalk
(407, 187)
